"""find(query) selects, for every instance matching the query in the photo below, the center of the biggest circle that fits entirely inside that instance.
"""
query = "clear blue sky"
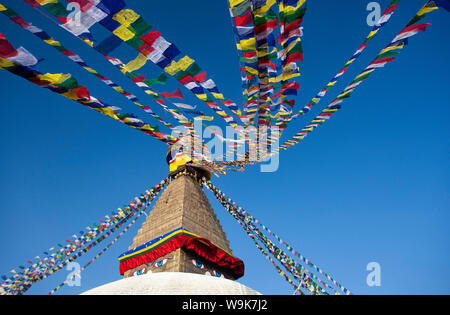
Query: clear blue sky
(371, 185)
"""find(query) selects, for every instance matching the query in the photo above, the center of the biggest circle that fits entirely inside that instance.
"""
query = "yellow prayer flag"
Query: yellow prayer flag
(364, 73)
(332, 83)
(90, 70)
(44, 2)
(54, 78)
(71, 95)
(350, 61)
(123, 33)
(203, 97)
(251, 70)
(219, 96)
(87, 41)
(389, 48)
(287, 9)
(345, 93)
(150, 92)
(261, 11)
(234, 3)
(185, 62)
(5, 63)
(426, 9)
(262, 53)
(135, 64)
(284, 77)
(52, 42)
(126, 17)
(118, 89)
(172, 68)
(248, 44)
(373, 33)
(108, 112)
(147, 127)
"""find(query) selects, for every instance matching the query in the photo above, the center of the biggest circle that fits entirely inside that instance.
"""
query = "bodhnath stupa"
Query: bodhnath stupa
(181, 248)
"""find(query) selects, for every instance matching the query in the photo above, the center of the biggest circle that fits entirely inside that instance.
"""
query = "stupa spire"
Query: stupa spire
(182, 232)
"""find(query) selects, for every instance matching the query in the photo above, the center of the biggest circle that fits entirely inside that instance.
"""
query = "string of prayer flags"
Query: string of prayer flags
(265, 22)
(384, 19)
(266, 255)
(255, 23)
(252, 237)
(227, 202)
(294, 268)
(243, 20)
(142, 82)
(290, 248)
(39, 33)
(384, 57)
(291, 15)
(150, 45)
(165, 54)
(78, 273)
(138, 210)
(52, 262)
(68, 87)
(137, 216)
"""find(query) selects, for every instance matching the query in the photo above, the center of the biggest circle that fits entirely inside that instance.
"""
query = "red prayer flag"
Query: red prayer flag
(82, 92)
(246, 19)
(6, 50)
(200, 77)
(151, 37)
(176, 94)
(33, 3)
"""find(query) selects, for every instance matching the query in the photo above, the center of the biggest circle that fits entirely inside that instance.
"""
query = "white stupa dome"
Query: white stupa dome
(172, 283)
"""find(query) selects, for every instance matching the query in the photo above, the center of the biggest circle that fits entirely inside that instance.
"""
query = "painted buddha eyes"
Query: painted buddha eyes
(198, 264)
(139, 272)
(161, 262)
(217, 274)
(155, 265)
(202, 266)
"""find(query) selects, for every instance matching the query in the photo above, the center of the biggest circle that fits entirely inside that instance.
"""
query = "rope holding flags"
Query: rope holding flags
(39, 33)
(290, 248)
(384, 57)
(384, 19)
(141, 212)
(128, 26)
(20, 63)
(289, 263)
(53, 261)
